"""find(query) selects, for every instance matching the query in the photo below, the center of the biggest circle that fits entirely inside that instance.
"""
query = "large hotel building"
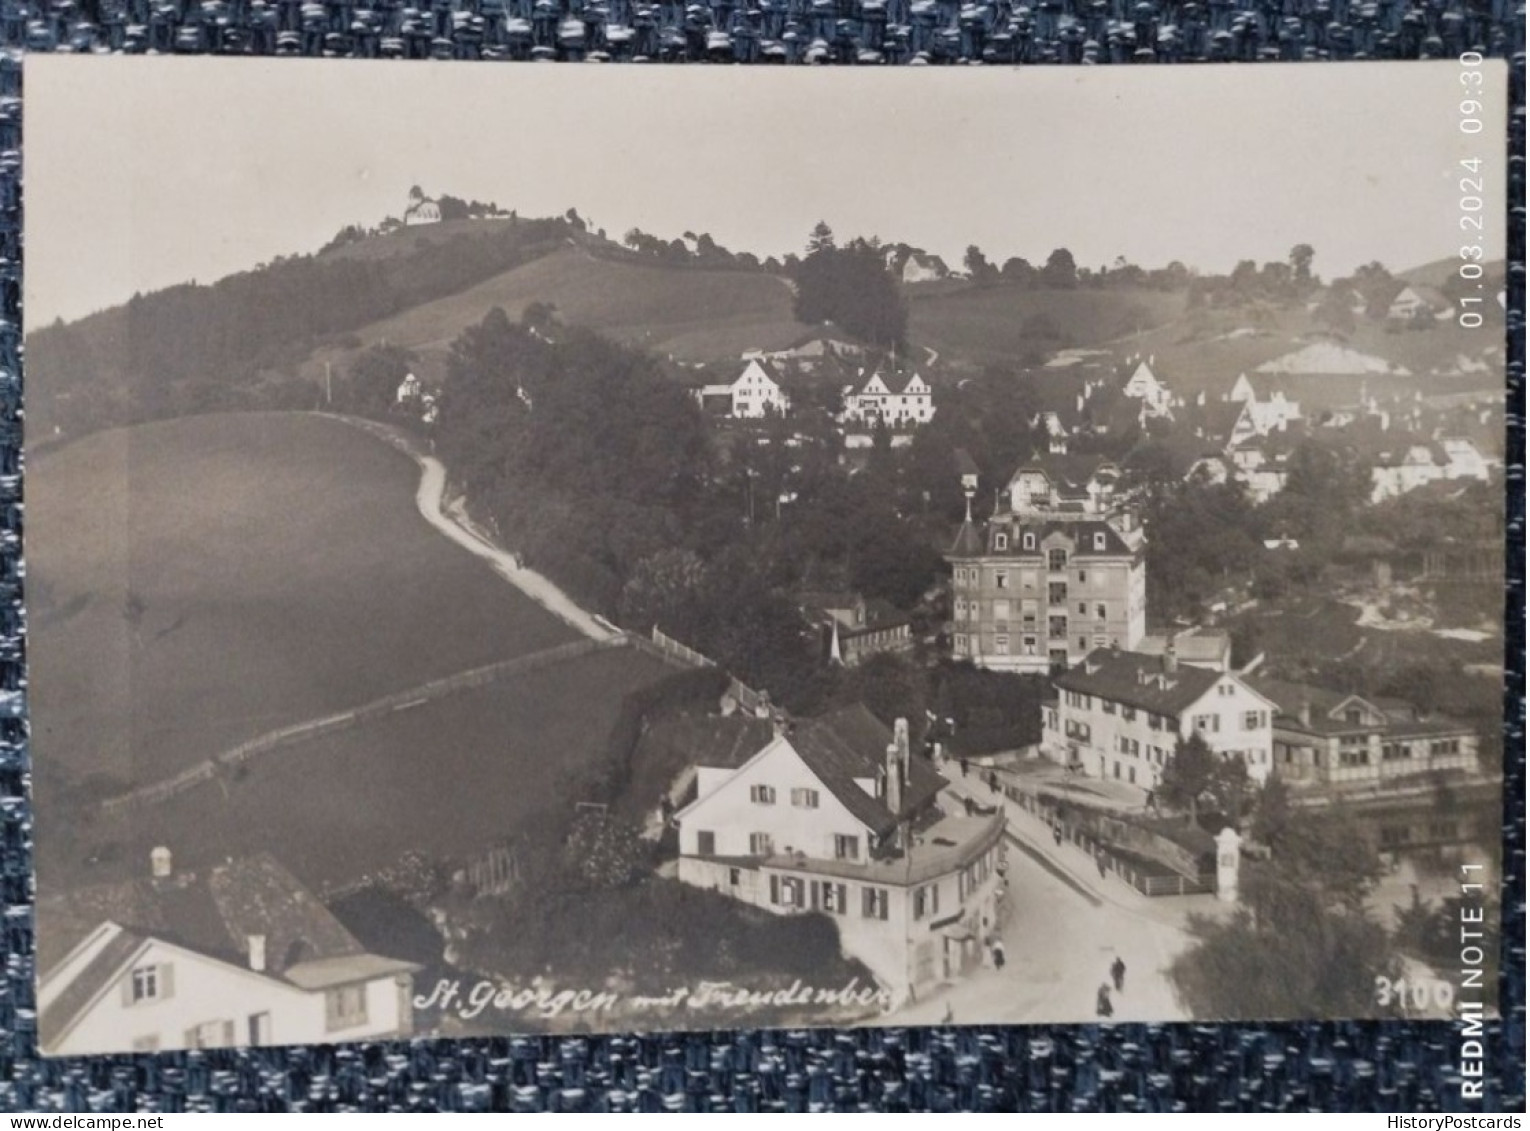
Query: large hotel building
(1056, 572)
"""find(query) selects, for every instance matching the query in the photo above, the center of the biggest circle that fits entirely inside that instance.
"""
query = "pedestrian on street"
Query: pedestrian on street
(964, 765)
(993, 781)
(1118, 974)
(998, 954)
(1057, 834)
(1150, 803)
(1102, 1006)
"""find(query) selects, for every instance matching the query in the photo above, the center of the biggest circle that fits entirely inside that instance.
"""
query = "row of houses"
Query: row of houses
(877, 397)
(1119, 715)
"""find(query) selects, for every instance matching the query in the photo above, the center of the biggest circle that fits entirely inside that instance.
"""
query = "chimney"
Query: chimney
(1170, 657)
(1305, 714)
(258, 953)
(897, 768)
(160, 864)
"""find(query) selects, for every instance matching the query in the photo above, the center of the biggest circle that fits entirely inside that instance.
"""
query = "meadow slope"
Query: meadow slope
(197, 582)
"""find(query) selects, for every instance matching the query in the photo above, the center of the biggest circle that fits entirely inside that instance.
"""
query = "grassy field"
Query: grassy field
(693, 313)
(447, 778)
(197, 582)
(1001, 323)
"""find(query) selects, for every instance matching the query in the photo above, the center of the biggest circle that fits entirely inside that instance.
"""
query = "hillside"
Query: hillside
(693, 313)
(1207, 350)
(1004, 323)
(448, 778)
(197, 582)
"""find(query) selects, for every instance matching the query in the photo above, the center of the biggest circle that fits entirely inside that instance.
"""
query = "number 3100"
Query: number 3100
(1418, 994)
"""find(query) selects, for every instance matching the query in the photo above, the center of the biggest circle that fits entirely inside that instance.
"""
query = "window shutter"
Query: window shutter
(775, 889)
(842, 906)
(167, 980)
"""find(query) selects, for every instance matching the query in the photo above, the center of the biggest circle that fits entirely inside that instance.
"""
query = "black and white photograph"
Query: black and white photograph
(536, 550)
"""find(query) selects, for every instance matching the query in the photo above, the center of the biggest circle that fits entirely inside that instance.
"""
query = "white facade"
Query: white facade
(162, 996)
(877, 403)
(1144, 385)
(1107, 737)
(756, 395)
(771, 833)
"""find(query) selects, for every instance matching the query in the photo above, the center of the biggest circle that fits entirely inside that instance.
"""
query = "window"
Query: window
(1001, 542)
(1001, 611)
(1028, 541)
(1083, 608)
(874, 903)
(805, 798)
(148, 983)
(1028, 645)
(960, 645)
(831, 897)
(211, 1034)
(1352, 715)
(1253, 720)
(762, 794)
(1099, 540)
(1209, 723)
(1083, 644)
(1155, 722)
(706, 843)
(1057, 593)
(1057, 629)
(1057, 560)
(1129, 714)
(961, 608)
(1001, 578)
(1001, 645)
(1100, 612)
(847, 847)
(735, 877)
(1108, 706)
(926, 900)
(760, 844)
(345, 1006)
(1028, 610)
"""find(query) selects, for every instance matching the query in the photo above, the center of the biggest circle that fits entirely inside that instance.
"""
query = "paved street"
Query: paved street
(1066, 926)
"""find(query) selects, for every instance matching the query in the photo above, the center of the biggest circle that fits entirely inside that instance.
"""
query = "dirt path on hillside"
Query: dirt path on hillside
(451, 521)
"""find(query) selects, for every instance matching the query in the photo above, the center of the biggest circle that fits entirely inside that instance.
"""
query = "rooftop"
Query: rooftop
(1139, 681)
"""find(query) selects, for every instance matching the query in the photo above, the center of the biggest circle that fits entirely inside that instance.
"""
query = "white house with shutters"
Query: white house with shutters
(1120, 715)
(834, 817)
(242, 954)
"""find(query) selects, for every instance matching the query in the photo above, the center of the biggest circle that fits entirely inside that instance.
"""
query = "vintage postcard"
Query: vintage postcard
(552, 550)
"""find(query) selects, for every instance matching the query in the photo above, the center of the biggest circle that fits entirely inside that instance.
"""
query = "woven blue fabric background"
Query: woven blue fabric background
(1394, 1067)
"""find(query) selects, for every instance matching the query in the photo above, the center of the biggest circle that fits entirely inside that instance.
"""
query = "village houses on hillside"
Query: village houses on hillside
(835, 815)
(242, 954)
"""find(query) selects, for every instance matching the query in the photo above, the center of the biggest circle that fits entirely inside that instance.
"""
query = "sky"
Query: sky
(141, 173)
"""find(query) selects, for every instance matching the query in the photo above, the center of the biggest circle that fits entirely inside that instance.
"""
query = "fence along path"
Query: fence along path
(343, 720)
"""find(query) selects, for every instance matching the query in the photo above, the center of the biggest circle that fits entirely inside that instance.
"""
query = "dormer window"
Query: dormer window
(1028, 541)
(1099, 541)
(1001, 542)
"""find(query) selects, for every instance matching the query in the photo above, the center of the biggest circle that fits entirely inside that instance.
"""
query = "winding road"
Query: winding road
(451, 521)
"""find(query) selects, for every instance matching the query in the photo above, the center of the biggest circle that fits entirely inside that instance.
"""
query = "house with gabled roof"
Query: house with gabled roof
(1336, 739)
(1121, 715)
(240, 954)
(1144, 385)
(875, 402)
(835, 816)
(1417, 300)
